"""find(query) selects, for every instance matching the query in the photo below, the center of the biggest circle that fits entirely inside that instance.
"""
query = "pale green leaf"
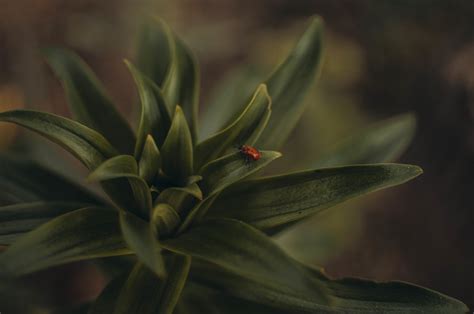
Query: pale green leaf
(87, 145)
(79, 235)
(142, 238)
(384, 141)
(177, 150)
(288, 85)
(150, 161)
(244, 130)
(88, 100)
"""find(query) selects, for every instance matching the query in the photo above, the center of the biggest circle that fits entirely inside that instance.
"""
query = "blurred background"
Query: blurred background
(382, 58)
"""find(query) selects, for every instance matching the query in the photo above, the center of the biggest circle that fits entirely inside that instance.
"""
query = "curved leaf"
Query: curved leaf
(382, 142)
(177, 150)
(288, 85)
(222, 172)
(181, 86)
(119, 168)
(88, 100)
(165, 218)
(140, 293)
(17, 219)
(150, 117)
(23, 180)
(244, 130)
(274, 201)
(87, 145)
(248, 253)
(143, 240)
(82, 234)
(150, 161)
(154, 50)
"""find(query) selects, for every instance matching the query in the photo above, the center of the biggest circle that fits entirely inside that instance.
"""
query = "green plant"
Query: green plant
(194, 217)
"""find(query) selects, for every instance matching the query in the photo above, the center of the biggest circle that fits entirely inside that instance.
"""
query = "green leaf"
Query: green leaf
(244, 130)
(165, 218)
(227, 99)
(181, 86)
(248, 253)
(177, 150)
(384, 141)
(105, 303)
(192, 189)
(150, 161)
(179, 266)
(274, 201)
(82, 234)
(17, 219)
(140, 293)
(222, 172)
(88, 100)
(242, 262)
(288, 85)
(154, 50)
(119, 168)
(151, 121)
(87, 145)
(143, 240)
(23, 180)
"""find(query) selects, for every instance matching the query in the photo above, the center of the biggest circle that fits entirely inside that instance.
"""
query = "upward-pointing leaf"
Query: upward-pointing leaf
(244, 130)
(276, 201)
(177, 150)
(382, 142)
(87, 145)
(181, 86)
(88, 100)
(287, 86)
(82, 234)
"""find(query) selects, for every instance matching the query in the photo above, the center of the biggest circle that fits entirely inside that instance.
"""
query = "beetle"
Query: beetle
(250, 153)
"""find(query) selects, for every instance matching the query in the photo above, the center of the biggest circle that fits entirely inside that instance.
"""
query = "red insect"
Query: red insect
(250, 153)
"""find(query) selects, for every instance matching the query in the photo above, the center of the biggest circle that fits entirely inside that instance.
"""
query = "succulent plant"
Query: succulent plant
(195, 216)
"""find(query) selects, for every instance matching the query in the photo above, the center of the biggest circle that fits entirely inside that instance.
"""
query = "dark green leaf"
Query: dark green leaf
(150, 161)
(178, 270)
(86, 144)
(150, 118)
(229, 169)
(382, 142)
(181, 86)
(177, 150)
(17, 219)
(140, 293)
(165, 218)
(246, 252)
(244, 130)
(82, 234)
(288, 85)
(154, 50)
(192, 189)
(124, 167)
(275, 201)
(105, 303)
(23, 180)
(142, 238)
(88, 100)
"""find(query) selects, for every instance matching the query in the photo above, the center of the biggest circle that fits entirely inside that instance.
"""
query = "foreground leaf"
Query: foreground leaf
(177, 150)
(274, 201)
(87, 145)
(24, 181)
(150, 161)
(382, 142)
(15, 220)
(222, 172)
(88, 100)
(181, 86)
(288, 85)
(246, 252)
(82, 234)
(244, 130)
(140, 293)
(143, 240)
